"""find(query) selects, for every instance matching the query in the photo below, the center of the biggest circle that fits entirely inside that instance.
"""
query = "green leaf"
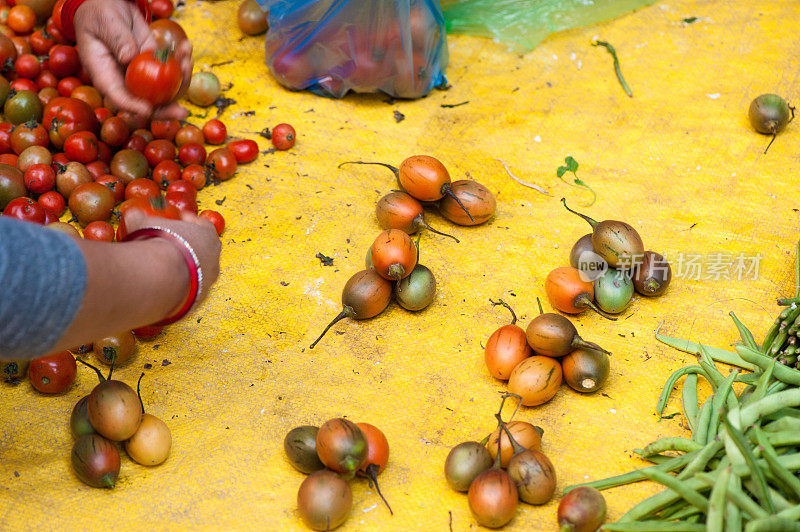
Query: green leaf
(561, 171)
(572, 164)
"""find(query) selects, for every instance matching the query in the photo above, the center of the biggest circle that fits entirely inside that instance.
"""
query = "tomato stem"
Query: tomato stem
(591, 221)
(448, 192)
(511, 310)
(342, 315)
(389, 166)
(139, 393)
(99, 375)
(371, 471)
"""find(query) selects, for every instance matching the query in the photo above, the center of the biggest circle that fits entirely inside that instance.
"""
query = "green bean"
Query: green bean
(721, 399)
(676, 508)
(749, 378)
(701, 434)
(636, 475)
(654, 526)
(785, 423)
(685, 513)
(784, 373)
(744, 332)
(715, 377)
(658, 501)
(748, 505)
(699, 462)
(671, 444)
(763, 383)
(720, 355)
(791, 513)
(679, 487)
(783, 438)
(772, 332)
(689, 401)
(733, 515)
(776, 387)
(797, 271)
(733, 434)
(716, 502)
(777, 343)
(791, 482)
(671, 381)
(772, 524)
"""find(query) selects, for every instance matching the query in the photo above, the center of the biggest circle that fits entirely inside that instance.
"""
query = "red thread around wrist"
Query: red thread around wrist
(192, 263)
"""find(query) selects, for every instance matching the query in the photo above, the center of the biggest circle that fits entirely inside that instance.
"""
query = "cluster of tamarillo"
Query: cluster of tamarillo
(536, 360)
(331, 455)
(113, 414)
(507, 467)
(394, 257)
(606, 267)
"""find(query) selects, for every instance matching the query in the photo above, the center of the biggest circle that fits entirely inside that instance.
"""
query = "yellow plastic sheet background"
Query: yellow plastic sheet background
(678, 161)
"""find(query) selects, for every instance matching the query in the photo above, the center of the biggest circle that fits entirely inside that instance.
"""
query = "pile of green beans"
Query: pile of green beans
(740, 469)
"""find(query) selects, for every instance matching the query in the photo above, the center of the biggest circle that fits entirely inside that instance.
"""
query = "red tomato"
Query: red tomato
(154, 207)
(55, 32)
(146, 134)
(283, 136)
(84, 76)
(196, 175)
(136, 142)
(159, 150)
(245, 151)
(142, 187)
(81, 147)
(98, 169)
(215, 218)
(88, 94)
(26, 135)
(9, 158)
(189, 134)
(100, 231)
(27, 66)
(41, 42)
(24, 84)
(53, 373)
(40, 178)
(104, 152)
(53, 201)
(65, 116)
(46, 79)
(115, 184)
(64, 60)
(161, 8)
(114, 131)
(21, 19)
(8, 52)
(49, 216)
(59, 159)
(165, 129)
(102, 114)
(47, 94)
(183, 201)
(5, 137)
(215, 131)
(222, 163)
(166, 172)
(191, 154)
(154, 76)
(148, 332)
(182, 186)
(25, 209)
(67, 85)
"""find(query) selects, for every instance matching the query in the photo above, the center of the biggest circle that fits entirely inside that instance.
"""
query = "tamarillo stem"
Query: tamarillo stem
(345, 313)
(373, 476)
(389, 166)
(580, 342)
(99, 375)
(419, 221)
(446, 190)
(591, 221)
(583, 299)
(774, 136)
(138, 392)
(511, 310)
(514, 443)
(539, 302)
(397, 271)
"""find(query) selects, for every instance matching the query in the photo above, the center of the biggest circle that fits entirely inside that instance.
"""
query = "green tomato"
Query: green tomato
(613, 291)
(22, 107)
(416, 291)
(5, 88)
(204, 89)
(12, 185)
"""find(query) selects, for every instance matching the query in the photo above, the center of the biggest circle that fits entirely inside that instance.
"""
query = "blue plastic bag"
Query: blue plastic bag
(334, 46)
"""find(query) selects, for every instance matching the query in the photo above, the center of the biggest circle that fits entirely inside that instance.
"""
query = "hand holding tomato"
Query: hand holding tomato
(110, 34)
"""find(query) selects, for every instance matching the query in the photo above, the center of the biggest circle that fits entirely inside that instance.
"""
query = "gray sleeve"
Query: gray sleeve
(42, 281)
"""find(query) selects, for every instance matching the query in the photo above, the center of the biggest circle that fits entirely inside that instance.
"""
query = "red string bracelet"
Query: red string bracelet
(67, 22)
(192, 262)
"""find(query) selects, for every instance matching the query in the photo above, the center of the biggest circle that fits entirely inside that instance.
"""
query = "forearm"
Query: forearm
(127, 286)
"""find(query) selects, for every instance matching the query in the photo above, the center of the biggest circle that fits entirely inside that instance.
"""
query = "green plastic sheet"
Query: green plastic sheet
(523, 24)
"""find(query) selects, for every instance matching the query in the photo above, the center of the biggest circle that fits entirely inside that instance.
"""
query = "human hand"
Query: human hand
(110, 33)
(198, 232)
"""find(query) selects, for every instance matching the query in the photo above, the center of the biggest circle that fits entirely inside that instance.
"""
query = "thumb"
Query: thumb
(123, 46)
(134, 219)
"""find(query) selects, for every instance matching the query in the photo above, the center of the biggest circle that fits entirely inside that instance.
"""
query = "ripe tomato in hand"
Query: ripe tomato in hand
(215, 131)
(81, 147)
(154, 76)
(53, 373)
(216, 219)
(283, 136)
(25, 209)
(245, 151)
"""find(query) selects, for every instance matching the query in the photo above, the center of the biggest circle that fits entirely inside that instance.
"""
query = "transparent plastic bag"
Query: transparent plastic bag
(523, 24)
(334, 46)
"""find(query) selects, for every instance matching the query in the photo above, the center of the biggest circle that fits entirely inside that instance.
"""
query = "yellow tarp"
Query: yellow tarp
(678, 161)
